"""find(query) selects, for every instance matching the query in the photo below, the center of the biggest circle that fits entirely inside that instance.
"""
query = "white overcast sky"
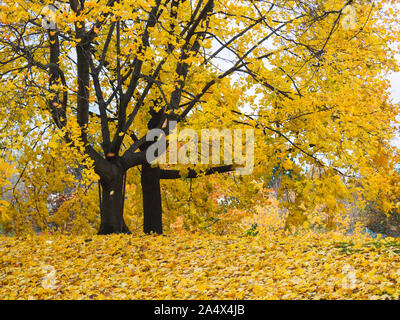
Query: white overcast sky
(395, 95)
(395, 86)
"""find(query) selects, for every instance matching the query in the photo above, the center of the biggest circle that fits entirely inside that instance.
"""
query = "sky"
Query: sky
(395, 79)
(395, 95)
(395, 86)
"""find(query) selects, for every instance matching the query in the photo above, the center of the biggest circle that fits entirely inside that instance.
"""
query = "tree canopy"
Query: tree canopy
(83, 82)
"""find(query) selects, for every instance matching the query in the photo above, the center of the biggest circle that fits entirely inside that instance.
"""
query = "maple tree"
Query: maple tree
(105, 72)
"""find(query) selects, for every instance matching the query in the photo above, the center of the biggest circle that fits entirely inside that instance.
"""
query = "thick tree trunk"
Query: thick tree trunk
(112, 205)
(150, 180)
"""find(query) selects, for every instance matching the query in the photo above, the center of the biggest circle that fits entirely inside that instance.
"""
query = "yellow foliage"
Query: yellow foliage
(199, 266)
(314, 93)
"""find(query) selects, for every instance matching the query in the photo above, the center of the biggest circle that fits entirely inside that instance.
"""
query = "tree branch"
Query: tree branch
(175, 174)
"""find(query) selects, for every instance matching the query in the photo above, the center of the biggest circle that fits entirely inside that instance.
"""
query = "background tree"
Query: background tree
(106, 72)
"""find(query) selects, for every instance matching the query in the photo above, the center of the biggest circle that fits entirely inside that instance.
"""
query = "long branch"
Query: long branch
(176, 174)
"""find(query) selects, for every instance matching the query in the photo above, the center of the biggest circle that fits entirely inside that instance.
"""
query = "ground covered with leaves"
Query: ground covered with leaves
(195, 266)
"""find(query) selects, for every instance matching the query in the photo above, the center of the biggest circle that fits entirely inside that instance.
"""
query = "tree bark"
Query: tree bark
(150, 180)
(112, 204)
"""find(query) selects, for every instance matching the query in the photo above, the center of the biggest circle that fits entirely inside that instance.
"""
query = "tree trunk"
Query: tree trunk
(112, 204)
(150, 180)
